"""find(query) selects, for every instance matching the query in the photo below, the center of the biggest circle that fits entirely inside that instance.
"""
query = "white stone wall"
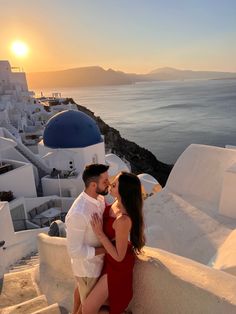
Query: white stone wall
(17, 202)
(20, 180)
(5, 73)
(225, 258)
(19, 80)
(228, 193)
(175, 225)
(163, 282)
(14, 154)
(198, 173)
(17, 244)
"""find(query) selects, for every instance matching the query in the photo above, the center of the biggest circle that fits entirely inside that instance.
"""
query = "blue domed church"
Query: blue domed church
(71, 129)
(71, 140)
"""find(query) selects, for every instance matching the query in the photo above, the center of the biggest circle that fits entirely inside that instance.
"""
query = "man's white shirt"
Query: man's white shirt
(81, 240)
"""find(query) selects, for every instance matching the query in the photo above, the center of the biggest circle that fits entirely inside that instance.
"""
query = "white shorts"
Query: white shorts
(85, 285)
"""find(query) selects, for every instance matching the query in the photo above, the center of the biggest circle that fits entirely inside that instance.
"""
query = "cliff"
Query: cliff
(141, 160)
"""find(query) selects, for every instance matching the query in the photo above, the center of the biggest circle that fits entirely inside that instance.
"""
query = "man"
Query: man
(83, 246)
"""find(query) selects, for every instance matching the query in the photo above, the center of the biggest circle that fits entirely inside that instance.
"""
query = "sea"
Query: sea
(164, 116)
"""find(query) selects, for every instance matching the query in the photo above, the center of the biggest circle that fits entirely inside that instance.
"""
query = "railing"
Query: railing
(27, 153)
(5, 167)
(40, 221)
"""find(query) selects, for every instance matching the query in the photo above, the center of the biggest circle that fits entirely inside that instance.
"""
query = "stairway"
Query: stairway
(26, 263)
(19, 292)
(43, 170)
(11, 129)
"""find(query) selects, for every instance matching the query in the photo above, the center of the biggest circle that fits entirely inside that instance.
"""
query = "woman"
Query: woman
(122, 220)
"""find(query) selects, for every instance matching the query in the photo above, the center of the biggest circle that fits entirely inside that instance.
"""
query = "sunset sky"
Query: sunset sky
(127, 35)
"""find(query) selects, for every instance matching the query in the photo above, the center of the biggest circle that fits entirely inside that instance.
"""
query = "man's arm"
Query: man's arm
(75, 228)
(99, 250)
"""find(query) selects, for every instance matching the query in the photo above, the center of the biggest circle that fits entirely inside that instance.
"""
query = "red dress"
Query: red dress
(119, 274)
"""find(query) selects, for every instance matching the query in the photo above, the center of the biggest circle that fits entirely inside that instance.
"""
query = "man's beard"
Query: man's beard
(102, 192)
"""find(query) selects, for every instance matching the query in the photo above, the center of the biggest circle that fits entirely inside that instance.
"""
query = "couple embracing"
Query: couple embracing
(103, 240)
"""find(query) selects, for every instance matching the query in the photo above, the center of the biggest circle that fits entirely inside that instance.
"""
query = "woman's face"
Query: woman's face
(114, 187)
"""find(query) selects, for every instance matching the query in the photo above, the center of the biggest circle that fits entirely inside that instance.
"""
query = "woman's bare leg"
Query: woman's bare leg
(96, 298)
(77, 302)
(80, 309)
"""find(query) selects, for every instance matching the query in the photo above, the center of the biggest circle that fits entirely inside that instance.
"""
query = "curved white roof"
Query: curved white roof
(116, 164)
(149, 183)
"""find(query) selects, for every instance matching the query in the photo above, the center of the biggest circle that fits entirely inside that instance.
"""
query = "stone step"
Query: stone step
(28, 258)
(22, 268)
(51, 309)
(35, 257)
(17, 287)
(32, 260)
(25, 262)
(27, 307)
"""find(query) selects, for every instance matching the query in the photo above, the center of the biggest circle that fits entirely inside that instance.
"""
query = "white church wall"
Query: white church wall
(80, 156)
(70, 187)
(42, 149)
(60, 159)
(89, 155)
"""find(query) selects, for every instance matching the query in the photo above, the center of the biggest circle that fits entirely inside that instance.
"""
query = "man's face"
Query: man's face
(103, 184)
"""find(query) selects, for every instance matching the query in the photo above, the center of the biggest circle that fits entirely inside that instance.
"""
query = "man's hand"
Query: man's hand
(99, 250)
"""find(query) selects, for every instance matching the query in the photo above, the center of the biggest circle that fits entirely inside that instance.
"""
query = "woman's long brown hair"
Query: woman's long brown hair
(131, 198)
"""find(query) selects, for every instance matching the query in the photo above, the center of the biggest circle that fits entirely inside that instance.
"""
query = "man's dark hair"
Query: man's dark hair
(92, 172)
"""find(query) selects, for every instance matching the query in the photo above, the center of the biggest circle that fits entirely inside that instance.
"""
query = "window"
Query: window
(95, 159)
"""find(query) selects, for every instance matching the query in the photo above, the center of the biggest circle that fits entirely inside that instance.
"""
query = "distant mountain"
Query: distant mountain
(175, 74)
(86, 76)
(97, 76)
(165, 70)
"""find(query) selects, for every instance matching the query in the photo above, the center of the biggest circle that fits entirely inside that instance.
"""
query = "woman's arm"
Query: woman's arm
(122, 227)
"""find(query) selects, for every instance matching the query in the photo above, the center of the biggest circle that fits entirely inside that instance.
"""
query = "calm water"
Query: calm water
(165, 117)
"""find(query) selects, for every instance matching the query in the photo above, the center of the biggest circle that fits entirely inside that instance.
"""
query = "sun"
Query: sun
(19, 48)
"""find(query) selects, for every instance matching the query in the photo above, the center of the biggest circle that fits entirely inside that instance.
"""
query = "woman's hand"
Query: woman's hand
(96, 223)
